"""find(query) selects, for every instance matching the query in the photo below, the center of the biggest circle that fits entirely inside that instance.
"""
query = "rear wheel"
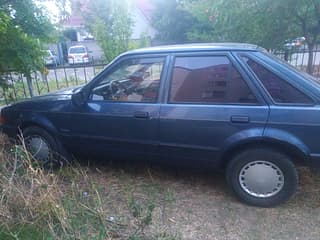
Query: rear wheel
(43, 147)
(262, 177)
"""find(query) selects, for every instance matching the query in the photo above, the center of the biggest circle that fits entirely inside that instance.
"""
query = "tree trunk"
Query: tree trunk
(30, 86)
(310, 59)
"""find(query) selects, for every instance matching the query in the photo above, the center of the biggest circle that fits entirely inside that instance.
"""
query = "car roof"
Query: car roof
(197, 47)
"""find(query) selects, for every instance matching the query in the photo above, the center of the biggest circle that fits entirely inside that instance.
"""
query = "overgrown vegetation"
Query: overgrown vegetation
(69, 204)
(23, 25)
(111, 24)
(268, 23)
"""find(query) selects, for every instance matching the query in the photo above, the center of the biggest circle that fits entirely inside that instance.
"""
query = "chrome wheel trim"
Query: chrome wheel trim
(39, 148)
(261, 179)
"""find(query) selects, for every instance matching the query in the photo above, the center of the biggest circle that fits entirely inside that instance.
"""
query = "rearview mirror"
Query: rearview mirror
(79, 98)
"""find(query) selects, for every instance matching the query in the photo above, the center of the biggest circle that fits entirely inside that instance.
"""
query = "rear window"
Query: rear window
(280, 90)
(77, 50)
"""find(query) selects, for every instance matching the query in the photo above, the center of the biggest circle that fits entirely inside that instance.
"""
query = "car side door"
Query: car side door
(122, 113)
(210, 104)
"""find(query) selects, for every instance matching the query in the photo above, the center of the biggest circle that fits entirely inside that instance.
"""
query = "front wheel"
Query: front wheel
(262, 177)
(43, 147)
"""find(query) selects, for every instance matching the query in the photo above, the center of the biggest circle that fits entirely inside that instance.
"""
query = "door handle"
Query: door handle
(240, 119)
(141, 115)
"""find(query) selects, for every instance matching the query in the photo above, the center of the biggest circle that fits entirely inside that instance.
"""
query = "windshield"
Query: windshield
(296, 70)
(77, 50)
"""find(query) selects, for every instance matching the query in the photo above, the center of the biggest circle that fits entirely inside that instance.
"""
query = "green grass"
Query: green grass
(26, 231)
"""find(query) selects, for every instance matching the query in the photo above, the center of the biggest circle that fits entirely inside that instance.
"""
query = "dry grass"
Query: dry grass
(135, 201)
(65, 204)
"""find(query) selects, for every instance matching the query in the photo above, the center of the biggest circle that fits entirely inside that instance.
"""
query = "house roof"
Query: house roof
(76, 20)
(146, 7)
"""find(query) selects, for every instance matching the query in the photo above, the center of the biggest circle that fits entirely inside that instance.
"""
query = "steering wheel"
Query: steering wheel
(117, 89)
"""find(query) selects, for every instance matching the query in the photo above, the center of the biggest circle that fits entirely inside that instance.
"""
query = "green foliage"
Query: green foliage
(25, 231)
(267, 23)
(264, 22)
(142, 42)
(172, 22)
(240, 21)
(22, 26)
(142, 214)
(111, 23)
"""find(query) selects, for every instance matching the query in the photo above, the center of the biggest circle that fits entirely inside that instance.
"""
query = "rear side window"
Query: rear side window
(209, 79)
(280, 90)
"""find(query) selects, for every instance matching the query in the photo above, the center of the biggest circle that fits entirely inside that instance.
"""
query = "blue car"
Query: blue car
(232, 107)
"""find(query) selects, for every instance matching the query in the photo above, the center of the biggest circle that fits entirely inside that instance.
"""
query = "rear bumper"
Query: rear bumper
(77, 61)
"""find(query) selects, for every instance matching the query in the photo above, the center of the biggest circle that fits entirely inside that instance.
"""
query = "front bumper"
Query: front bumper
(9, 130)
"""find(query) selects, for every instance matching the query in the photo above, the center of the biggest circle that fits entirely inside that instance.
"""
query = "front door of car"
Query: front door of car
(122, 113)
(210, 104)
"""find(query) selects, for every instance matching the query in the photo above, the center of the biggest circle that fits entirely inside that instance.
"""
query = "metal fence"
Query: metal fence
(17, 86)
(54, 78)
(299, 58)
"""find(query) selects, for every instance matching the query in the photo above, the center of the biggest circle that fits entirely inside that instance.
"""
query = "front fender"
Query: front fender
(35, 118)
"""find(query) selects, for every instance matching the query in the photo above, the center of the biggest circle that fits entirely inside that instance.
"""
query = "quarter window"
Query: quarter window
(134, 80)
(211, 79)
(280, 90)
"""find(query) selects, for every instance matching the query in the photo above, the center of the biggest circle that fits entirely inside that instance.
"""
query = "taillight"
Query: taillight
(69, 56)
(85, 56)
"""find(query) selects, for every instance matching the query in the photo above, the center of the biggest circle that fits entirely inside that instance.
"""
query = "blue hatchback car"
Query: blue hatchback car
(221, 106)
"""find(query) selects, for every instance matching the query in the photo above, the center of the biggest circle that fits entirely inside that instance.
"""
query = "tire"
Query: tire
(262, 177)
(44, 148)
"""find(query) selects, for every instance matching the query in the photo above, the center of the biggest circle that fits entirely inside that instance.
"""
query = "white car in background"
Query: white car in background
(78, 54)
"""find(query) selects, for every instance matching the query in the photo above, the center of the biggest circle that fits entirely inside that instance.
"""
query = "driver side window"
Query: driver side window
(133, 80)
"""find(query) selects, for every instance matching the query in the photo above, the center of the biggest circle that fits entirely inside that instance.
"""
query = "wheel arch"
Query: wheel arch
(37, 120)
(297, 155)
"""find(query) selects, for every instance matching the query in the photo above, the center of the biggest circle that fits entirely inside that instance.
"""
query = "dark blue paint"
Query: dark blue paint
(195, 134)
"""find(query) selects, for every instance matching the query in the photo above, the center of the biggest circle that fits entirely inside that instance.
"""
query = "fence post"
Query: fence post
(29, 83)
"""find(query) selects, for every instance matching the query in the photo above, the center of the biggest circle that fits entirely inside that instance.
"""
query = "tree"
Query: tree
(172, 22)
(305, 16)
(111, 23)
(22, 26)
(241, 21)
(267, 23)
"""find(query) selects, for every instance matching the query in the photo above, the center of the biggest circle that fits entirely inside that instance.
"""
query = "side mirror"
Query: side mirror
(79, 98)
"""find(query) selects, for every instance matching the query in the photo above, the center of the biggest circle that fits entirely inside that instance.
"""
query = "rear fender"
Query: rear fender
(273, 138)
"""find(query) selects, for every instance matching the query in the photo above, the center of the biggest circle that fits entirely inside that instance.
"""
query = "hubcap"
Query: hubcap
(261, 179)
(38, 148)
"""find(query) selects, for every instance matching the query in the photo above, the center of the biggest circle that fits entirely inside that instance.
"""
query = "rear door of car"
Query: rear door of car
(209, 104)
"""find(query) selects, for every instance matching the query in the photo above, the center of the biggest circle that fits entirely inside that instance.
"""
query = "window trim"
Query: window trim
(210, 54)
(278, 74)
(111, 67)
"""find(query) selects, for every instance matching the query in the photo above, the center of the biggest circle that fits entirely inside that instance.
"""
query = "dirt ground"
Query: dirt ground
(198, 205)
